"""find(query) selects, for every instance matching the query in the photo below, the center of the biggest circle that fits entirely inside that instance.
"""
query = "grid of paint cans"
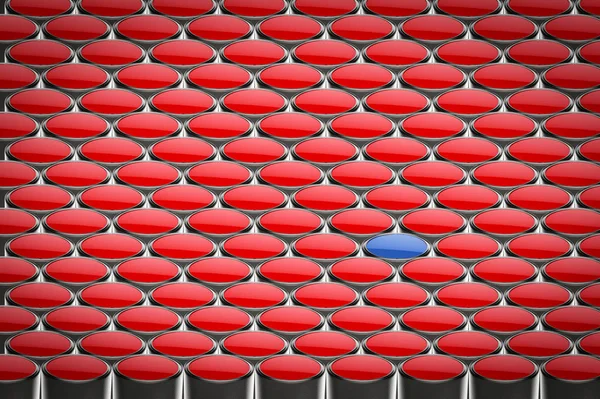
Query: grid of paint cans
(258, 199)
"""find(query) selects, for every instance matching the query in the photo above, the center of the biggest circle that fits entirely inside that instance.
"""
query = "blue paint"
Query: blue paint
(396, 246)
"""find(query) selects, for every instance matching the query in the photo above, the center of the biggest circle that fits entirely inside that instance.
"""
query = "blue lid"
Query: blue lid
(396, 246)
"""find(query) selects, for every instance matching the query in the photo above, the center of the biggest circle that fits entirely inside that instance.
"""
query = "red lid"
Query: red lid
(573, 28)
(574, 368)
(434, 270)
(77, 368)
(468, 150)
(396, 150)
(111, 295)
(362, 28)
(182, 150)
(219, 319)
(433, 174)
(14, 221)
(76, 125)
(573, 221)
(182, 344)
(396, 101)
(290, 76)
(468, 246)
(396, 198)
(324, 150)
(147, 319)
(254, 102)
(16, 77)
(254, 198)
(325, 52)
(433, 368)
(504, 174)
(254, 344)
(390, 8)
(539, 101)
(468, 344)
(539, 246)
(182, 101)
(39, 102)
(573, 319)
(573, 174)
(111, 246)
(111, 344)
(504, 77)
(433, 77)
(504, 126)
(325, 246)
(182, 246)
(222, 271)
(147, 222)
(573, 76)
(39, 9)
(147, 77)
(361, 126)
(466, 9)
(396, 295)
(147, 270)
(149, 368)
(572, 125)
(325, 344)
(467, 295)
(325, 198)
(219, 221)
(290, 221)
(325, 102)
(111, 198)
(112, 10)
(16, 28)
(290, 368)
(290, 125)
(290, 270)
(590, 344)
(219, 368)
(330, 9)
(147, 28)
(539, 150)
(76, 270)
(112, 150)
(14, 368)
(219, 77)
(76, 222)
(539, 295)
(290, 174)
(506, 368)
(219, 28)
(396, 344)
(504, 28)
(539, 52)
(76, 174)
(433, 222)
(433, 125)
(539, 344)
(112, 102)
(254, 9)
(589, 52)
(504, 319)
(433, 28)
(468, 52)
(433, 319)
(148, 174)
(254, 53)
(468, 198)
(111, 52)
(37, 197)
(362, 174)
(468, 102)
(182, 295)
(539, 198)
(589, 197)
(361, 319)
(41, 150)
(39, 295)
(539, 9)
(76, 319)
(76, 77)
(325, 295)
(361, 368)
(504, 221)
(182, 198)
(290, 28)
(14, 319)
(573, 270)
(39, 344)
(219, 174)
(40, 246)
(504, 270)
(40, 52)
(183, 8)
(254, 295)
(219, 125)
(15, 270)
(14, 125)
(290, 319)
(360, 270)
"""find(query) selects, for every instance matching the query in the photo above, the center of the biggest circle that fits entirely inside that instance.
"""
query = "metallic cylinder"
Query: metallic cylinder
(147, 376)
(290, 376)
(570, 376)
(76, 377)
(19, 378)
(504, 376)
(433, 376)
(218, 377)
(361, 376)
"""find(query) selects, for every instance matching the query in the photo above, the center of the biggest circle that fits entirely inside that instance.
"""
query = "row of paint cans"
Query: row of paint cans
(300, 377)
